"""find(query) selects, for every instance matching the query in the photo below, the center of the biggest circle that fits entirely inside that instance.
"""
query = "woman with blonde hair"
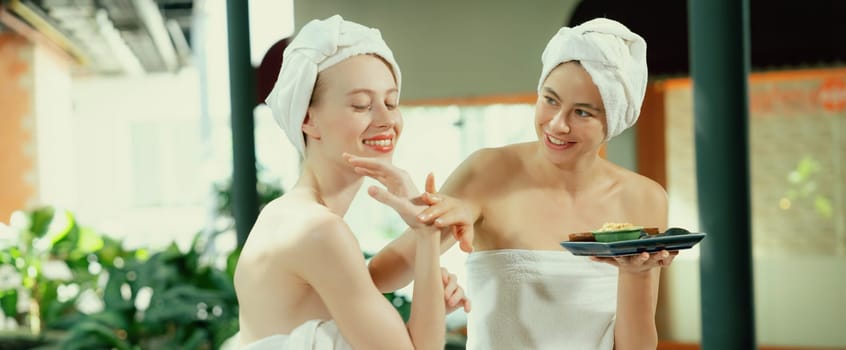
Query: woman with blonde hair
(301, 279)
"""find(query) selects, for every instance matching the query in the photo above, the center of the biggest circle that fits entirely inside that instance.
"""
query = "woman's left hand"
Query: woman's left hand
(399, 192)
(454, 297)
(642, 262)
(396, 180)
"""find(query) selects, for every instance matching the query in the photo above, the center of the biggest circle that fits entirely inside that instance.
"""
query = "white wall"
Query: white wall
(52, 106)
(137, 155)
(798, 300)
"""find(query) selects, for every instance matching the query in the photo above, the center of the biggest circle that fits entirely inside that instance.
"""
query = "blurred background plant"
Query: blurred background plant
(63, 285)
(70, 287)
(52, 269)
(169, 300)
(803, 188)
(267, 189)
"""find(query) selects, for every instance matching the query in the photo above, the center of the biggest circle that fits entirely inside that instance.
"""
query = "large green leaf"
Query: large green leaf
(171, 252)
(40, 221)
(232, 262)
(221, 282)
(48, 298)
(9, 256)
(79, 244)
(224, 329)
(155, 273)
(63, 240)
(9, 302)
(115, 319)
(196, 340)
(94, 335)
(184, 304)
(190, 292)
(111, 250)
(112, 294)
(169, 310)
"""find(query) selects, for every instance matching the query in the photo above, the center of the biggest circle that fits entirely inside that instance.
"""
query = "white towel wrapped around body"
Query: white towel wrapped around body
(529, 299)
(615, 58)
(311, 335)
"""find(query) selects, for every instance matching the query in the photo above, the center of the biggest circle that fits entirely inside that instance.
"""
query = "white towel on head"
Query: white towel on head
(311, 335)
(320, 44)
(615, 58)
(534, 299)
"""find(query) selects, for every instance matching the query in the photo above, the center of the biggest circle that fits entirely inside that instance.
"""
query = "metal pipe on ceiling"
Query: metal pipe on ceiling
(152, 19)
(47, 29)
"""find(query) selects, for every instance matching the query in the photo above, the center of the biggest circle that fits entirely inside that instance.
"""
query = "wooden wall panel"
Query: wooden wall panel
(651, 142)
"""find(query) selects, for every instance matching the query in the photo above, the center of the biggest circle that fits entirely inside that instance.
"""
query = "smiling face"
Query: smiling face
(354, 110)
(569, 115)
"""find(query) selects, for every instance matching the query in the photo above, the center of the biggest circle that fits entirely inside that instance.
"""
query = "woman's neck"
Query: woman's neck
(334, 185)
(573, 177)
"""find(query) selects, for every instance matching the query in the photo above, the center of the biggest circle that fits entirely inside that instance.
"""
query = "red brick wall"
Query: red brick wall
(17, 140)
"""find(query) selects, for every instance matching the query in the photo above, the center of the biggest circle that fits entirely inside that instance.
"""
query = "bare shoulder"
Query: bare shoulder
(504, 157)
(645, 198)
(289, 231)
(327, 233)
(484, 168)
(636, 186)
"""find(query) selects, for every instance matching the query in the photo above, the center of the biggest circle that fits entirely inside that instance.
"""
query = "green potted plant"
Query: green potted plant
(48, 258)
(169, 300)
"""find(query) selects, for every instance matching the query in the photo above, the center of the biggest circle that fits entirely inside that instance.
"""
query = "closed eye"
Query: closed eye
(361, 108)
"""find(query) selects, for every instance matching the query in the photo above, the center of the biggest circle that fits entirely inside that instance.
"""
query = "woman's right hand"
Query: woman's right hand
(452, 214)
